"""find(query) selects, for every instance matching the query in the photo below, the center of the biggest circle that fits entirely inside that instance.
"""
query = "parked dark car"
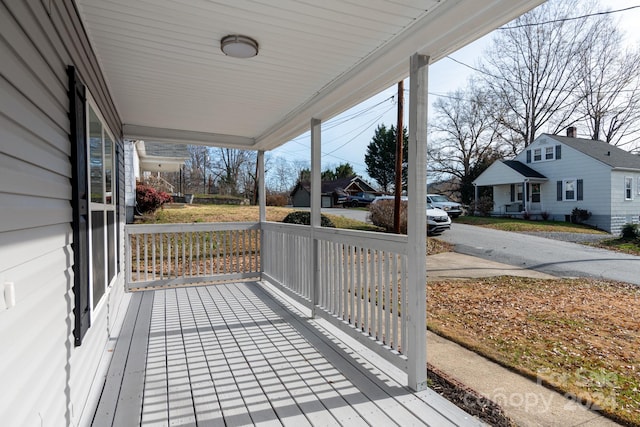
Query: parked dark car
(359, 199)
(442, 202)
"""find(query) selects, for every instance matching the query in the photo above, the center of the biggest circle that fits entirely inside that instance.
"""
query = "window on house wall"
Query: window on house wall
(519, 188)
(102, 219)
(537, 154)
(548, 153)
(628, 188)
(569, 186)
(638, 186)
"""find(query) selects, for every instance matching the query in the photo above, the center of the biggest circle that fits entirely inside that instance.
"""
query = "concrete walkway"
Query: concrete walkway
(523, 400)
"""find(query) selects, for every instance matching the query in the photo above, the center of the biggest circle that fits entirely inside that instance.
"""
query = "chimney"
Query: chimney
(571, 131)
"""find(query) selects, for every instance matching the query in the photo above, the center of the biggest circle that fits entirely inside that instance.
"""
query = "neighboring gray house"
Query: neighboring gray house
(556, 174)
(332, 191)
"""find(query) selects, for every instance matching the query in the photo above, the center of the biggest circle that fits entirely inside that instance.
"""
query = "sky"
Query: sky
(346, 136)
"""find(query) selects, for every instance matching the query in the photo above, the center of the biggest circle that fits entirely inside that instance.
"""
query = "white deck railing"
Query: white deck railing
(178, 254)
(354, 279)
(361, 277)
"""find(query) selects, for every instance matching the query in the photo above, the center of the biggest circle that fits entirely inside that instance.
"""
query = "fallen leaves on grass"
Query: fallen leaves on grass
(580, 336)
(436, 246)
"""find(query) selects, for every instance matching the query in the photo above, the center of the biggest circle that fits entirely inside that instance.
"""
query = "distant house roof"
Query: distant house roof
(159, 149)
(523, 169)
(599, 150)
(161, 157)
(340, 186)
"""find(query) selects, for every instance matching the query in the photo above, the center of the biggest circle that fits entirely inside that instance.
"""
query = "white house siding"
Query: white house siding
(573, 164)
(626, 211)
(45, 380)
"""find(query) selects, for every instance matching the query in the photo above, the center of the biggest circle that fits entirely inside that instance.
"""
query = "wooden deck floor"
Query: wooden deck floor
(234, 355)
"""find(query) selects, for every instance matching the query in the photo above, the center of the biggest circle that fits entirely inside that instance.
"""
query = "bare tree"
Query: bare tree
(465, 134)
(197, 169)
(532, 68)
(609, 85)
(228, 165)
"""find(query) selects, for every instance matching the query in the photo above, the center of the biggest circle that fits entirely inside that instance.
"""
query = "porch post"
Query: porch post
(316, 201)
(417, 224)
(262, 198)
(262, 203)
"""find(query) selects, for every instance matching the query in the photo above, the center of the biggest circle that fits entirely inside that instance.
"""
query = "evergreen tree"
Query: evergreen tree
(380, 157)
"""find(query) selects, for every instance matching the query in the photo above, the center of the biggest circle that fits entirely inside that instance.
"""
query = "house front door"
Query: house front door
(534, 196)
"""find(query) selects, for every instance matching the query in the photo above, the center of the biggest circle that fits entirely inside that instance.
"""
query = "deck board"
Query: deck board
(238, 354)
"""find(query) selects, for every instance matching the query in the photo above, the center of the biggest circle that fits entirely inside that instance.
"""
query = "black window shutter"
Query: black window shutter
(558, 152)
(559, 187)
(528, 156)
(580, 189)
(80, 204)
(513, 192)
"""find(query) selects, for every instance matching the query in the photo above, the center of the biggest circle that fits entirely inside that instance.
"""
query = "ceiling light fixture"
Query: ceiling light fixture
(239, 46)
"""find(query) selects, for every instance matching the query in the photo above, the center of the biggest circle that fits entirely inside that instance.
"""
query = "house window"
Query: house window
(535, 193)
(569, 186)
(102, 218)
(628, 188)
(537, 154)
(519, 188)
(548, 153)
(638, 186)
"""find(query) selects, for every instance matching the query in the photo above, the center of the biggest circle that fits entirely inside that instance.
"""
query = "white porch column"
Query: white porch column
(262, 197)
(262, 203)
(316, 202)
(417, 223)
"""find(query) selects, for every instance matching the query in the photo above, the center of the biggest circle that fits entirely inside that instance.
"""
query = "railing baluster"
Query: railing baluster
(161, 257)
(365, 276)
(345, 282)
(380, 287)
(373, 289)
(359, 286)
(403, 305)
(394, 305)
(387, 302)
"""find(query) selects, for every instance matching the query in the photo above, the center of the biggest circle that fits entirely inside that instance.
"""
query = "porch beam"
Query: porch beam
(316, 202)
(417, 223)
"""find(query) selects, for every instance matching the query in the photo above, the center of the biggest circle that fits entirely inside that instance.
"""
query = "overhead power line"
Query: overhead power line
(534, 24)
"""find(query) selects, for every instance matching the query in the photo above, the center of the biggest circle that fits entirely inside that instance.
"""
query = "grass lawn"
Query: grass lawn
(236, 213)
(579, 336)
(516, 224)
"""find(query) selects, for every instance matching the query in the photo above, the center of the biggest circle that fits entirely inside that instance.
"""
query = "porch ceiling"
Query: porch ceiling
(170, 81)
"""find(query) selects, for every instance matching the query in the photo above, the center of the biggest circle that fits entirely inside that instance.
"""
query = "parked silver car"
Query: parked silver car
(437, 220)
(442, 202)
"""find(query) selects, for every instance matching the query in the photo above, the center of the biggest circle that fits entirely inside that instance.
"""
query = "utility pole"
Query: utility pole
(399, 132)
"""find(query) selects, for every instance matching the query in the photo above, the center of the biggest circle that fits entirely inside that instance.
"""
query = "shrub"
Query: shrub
(545, 215)
(381, 215)
(526, 215)
(484, 206)
(579, 215)
(630, 231)
(276, 200)
(304, 218)
(148, 200)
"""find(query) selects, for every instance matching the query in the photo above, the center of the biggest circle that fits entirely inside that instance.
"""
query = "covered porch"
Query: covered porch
(516, 188)
(204, 340)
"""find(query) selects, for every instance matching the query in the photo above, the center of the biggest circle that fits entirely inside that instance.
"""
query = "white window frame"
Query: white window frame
(575, 189)
(638, 186)
(105, 206)
(519, 192)
(537, 154)
(549, 150)
(628, 188)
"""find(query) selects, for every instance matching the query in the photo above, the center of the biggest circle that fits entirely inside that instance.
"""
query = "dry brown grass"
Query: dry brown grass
(215, 213)
(580, 336)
